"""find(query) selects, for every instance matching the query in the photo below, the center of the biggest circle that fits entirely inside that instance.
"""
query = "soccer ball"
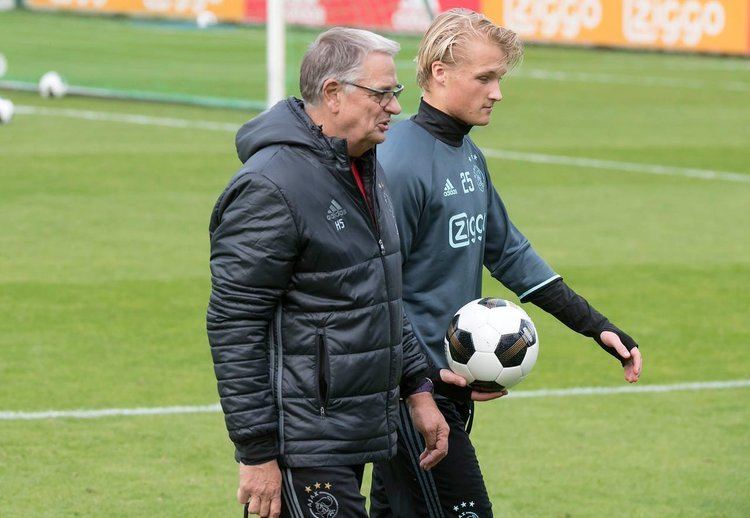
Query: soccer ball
(52, 85)
(6, 111)
(492, 343)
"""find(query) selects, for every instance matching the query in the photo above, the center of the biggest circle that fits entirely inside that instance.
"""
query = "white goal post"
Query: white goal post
(275, 51)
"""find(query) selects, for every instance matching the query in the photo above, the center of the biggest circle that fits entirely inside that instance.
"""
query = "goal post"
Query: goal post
(275, 51)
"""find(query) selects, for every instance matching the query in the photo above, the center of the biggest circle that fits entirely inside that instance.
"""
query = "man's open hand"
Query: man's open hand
(632, 362)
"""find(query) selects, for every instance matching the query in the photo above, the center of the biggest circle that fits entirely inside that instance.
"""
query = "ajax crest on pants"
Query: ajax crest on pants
(321, 503)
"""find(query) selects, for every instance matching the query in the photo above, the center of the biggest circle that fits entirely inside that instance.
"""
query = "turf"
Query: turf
(104, 276)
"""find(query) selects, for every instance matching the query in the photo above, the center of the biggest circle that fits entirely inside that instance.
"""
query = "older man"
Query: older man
(310, 345)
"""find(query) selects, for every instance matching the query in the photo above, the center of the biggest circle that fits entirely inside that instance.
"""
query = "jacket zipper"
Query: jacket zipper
(371, 218)
(373, 195)
(323, 377)
(374, 215)
(364, 208)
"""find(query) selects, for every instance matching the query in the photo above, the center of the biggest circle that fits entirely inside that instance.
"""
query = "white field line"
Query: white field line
(145, 120)
(633, 167)
(544, 393)
(109, 412)
(594, 163)
(631, 389)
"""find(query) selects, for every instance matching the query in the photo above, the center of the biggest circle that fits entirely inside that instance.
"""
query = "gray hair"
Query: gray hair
(338, 54)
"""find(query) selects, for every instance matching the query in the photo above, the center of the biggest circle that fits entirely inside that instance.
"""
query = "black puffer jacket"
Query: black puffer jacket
(305, 321)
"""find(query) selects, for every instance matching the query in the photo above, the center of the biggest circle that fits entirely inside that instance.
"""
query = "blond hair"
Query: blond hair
(446, 38)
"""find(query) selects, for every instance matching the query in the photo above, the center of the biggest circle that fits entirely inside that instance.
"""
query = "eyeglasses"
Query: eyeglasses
(383, 96)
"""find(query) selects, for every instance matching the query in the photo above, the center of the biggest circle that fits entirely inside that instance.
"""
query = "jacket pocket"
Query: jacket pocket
(322, 372)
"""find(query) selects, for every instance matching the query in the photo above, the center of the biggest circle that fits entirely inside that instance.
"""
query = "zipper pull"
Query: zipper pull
(322, 412)
(382, 247)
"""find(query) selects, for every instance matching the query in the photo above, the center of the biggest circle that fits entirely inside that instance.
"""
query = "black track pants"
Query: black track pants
(453, 488)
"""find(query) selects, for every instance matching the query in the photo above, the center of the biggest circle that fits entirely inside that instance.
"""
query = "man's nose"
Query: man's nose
(495, 93)
(393, 106)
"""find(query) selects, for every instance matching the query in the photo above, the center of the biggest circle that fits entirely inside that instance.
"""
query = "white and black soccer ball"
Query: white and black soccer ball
(52, 84)
(492, 343)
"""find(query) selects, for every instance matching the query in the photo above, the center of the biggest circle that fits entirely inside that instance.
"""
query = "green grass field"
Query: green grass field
(104, 274)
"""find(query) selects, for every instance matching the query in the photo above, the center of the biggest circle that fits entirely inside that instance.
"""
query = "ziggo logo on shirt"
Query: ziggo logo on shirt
(464, 229)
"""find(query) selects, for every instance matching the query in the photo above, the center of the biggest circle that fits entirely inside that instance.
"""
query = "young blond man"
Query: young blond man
(452, 222)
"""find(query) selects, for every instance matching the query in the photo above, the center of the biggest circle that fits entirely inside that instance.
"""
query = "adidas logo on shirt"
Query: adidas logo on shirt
(335, 211)
(449, 190)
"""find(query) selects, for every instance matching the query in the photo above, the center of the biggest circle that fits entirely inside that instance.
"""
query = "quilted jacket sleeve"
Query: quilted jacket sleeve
(415, 363)
(253, 249)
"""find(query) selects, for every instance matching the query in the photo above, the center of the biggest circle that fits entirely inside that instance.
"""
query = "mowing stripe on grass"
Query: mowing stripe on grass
(540, 158)
(543, 393)
(614, 79)
(664, 82)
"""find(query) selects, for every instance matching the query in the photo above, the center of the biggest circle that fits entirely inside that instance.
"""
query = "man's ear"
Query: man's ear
(438, 69)
(332, 92)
